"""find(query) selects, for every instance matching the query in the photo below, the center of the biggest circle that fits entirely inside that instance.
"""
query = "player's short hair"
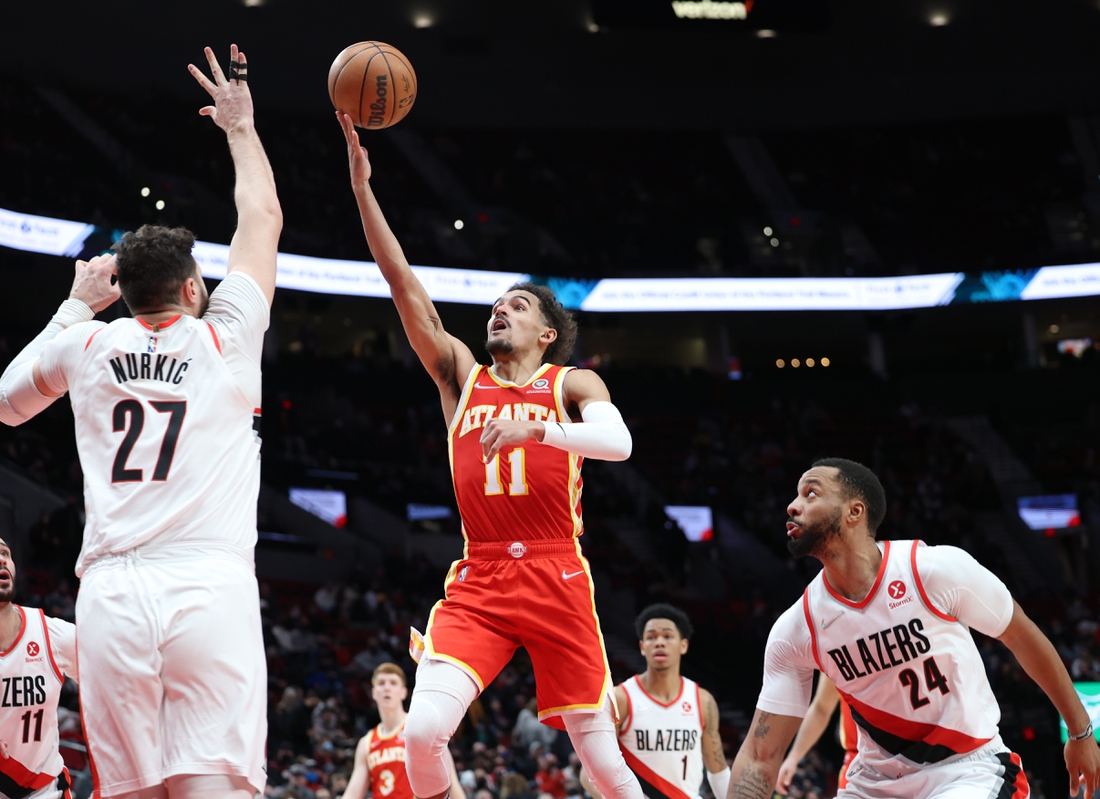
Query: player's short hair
(153, 263)
(555, 315)
(389, 668)
(856, 480)
(663, 611)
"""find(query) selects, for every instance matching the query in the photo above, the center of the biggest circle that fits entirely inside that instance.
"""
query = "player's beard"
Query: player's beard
(815, 538)
(8, 594)
(498, 346)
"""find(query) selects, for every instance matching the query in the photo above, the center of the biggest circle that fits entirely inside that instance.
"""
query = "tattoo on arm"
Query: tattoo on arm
(713, 722)
(762, 726)
(751, 785)
(436, 324)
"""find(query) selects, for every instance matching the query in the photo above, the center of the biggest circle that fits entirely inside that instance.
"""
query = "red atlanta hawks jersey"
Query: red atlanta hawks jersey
(902, 658)
(31, 674)
(527, 492)
(165, 424)
(662, 743)
(386, 764)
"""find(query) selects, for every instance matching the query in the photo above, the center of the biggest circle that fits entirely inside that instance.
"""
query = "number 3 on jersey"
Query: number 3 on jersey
(517, 487)
(129, 415)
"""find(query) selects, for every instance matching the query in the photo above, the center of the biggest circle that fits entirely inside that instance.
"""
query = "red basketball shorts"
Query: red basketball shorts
(534, 594)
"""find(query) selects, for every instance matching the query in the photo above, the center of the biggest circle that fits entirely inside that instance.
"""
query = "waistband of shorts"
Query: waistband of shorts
(520, 550)
(172, 552)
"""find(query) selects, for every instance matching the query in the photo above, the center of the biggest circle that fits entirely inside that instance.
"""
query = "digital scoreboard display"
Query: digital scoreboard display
(746, 15)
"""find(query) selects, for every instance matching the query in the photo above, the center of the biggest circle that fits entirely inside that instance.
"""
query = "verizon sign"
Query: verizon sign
(711, 9)
(730, 15)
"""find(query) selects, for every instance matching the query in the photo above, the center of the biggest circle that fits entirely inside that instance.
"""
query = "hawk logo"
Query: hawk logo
(32, 649)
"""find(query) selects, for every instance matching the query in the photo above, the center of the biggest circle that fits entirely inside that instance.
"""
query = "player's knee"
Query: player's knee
(426, 729)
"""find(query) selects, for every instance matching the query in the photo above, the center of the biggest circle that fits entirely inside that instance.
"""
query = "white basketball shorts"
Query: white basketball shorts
(173, 677)
(990, 772)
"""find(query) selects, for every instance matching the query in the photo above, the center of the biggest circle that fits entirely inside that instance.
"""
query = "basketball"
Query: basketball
(373, 83)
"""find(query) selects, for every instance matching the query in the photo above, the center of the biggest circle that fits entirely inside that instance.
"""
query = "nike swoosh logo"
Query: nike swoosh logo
(826, 622)
(565, 576)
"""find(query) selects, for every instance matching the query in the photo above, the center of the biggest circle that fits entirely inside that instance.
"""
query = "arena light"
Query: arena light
(795, 363)
(780, 363)
(459, 224)
(160, 205)
(765, 33)
(768, 231)
(423, 20)
(825, 361)
(810, 363)
(938, 19)
(145, 191)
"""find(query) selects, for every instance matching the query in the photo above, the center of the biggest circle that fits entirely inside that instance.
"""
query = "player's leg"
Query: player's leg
(209, 786)
(440, 699)
(468, 641)
(214, 722)
(118, 653)
(595, 738)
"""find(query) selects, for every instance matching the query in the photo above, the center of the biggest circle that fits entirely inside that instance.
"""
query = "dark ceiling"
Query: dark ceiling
(539, 64)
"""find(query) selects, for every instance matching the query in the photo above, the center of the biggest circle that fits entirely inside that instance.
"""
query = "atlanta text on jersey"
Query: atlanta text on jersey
(391, 754)
(480, 415)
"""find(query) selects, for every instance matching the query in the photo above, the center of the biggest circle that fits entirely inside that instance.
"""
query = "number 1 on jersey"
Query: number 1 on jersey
(517, 460)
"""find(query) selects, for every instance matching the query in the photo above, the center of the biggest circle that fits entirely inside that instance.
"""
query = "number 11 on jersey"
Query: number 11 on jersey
(517, 487)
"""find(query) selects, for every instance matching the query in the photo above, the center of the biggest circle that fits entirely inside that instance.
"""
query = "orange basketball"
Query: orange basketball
(373, 83)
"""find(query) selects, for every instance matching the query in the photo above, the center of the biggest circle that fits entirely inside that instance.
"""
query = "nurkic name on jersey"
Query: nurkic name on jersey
(662, 743)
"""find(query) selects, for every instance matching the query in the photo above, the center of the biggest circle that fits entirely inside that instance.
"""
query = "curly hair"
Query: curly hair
(557, 316)
(663, 611)
(153, 263)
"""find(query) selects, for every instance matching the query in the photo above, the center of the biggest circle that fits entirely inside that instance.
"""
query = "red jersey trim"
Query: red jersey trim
(18, 638)
(1020, 784)
(88, 343)
(915, 730)
(380, 737)
(849, 733)
(23, 776)
(874, 588)
(699, 707)
(813, 630)
(629, 713)
(165, 324)
(658, 782)
(49, 647)
(920, 587)
(656, 701)
(214, 335)
(507, 384)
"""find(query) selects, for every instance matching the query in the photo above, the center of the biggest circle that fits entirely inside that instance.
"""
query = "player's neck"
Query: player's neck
(852, 570)
(161, 315)
(10, 625)
(664, 685)
(392, 719)
(517, 369)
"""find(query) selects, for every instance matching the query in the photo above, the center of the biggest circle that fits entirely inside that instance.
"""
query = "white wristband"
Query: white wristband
(719, 782)
(73, 312)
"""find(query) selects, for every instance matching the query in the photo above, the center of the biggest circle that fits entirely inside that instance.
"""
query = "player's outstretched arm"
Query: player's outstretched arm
(602, 434)
(447, 359)
(757, 763)
(359, 780)
(817, 718)
(255, 245)
(1040, 660)
(24, 390)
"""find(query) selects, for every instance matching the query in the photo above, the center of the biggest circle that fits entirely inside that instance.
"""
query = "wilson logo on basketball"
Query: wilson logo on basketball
(897, 590)
(32, 649)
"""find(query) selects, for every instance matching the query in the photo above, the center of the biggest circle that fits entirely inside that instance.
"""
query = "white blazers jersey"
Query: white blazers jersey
(910, 672)
(31, 675)
(662, 743)
(165, 425)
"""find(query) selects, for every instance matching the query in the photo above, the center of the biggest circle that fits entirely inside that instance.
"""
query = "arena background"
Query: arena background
(592, 140)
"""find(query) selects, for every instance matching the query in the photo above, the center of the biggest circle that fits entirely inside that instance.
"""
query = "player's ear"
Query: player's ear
(683, 646)
(857, 511)
(548, 336)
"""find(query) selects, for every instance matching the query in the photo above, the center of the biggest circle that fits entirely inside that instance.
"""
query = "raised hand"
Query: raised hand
(500, 433)
(358, 162)
(232, 106)
(93, 284)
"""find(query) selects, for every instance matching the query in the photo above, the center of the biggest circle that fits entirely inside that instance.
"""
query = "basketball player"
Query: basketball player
(174, 689)
(668, 725)
(36, 654)
(517, 433)
(380, 755)
(888, 624)
(821, 709)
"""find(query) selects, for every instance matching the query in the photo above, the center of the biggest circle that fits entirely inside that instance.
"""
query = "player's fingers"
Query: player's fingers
(207, 111)
(215, 67)
(203, 81)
